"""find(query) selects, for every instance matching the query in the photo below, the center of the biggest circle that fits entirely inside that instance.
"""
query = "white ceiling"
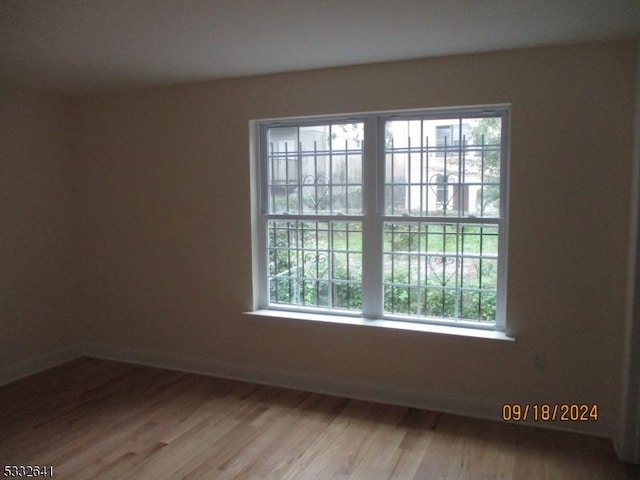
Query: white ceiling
(89, 45)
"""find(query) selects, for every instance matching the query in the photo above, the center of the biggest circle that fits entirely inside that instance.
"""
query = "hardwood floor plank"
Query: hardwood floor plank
(94, 419)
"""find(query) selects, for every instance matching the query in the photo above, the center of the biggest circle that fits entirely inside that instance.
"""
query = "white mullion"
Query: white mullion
(501, 293)
(460, 193)
(373, 179)
(330, 261)
(261, 182)
(408, 171)
(316, 218)
(466, 220)
(423, 210)
(330, 172)
(299, 176)
(457, 293)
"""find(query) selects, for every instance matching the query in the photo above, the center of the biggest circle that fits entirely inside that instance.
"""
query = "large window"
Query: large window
(389, 216)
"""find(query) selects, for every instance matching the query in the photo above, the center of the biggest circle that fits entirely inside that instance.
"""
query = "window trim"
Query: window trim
(373, 215)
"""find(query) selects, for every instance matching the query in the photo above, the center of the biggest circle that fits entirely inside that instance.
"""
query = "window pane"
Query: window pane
(443, 270)
(443, 167)
(316, 264)
(315, 169)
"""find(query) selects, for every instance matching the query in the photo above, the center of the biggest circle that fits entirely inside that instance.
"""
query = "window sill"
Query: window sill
(442, 333)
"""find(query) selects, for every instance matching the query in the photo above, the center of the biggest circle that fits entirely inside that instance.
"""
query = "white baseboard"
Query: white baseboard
(288, 379)
(16, 371)
(455, 404)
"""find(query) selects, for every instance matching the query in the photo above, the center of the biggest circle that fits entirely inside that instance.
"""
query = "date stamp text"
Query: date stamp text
(549, 412)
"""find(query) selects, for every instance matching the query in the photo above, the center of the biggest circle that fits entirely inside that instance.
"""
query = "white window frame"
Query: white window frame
(373, 216)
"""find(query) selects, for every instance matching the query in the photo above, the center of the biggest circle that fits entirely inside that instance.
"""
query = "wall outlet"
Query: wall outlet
(539, 361)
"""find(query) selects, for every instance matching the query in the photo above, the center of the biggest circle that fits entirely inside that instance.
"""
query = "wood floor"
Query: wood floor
(93, 419)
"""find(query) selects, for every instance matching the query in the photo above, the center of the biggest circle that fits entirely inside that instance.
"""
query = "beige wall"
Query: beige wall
(163, 182)
(628, 437)
(36, 268)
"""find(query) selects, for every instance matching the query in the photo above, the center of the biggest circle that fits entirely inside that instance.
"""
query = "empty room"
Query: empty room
(291, 239)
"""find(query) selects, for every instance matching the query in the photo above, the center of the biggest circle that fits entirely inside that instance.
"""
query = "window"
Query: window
(397, 216)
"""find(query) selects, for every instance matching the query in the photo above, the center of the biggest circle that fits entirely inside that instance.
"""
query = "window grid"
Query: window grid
(320, 173)
(407, 192)
(315, 264)
(425, 185)
(429, 265)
